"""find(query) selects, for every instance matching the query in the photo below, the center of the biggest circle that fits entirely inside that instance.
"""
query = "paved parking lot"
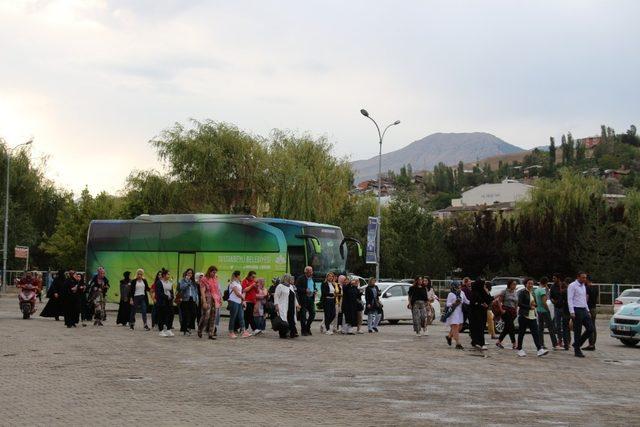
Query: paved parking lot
(115, 376)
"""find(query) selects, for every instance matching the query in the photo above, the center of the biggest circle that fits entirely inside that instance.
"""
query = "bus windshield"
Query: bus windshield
(329, 258)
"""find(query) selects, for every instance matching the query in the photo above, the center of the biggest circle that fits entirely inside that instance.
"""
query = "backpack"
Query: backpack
(225, 294)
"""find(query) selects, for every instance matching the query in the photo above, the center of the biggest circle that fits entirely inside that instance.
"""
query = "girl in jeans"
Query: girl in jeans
(374, 308)
(236, 306)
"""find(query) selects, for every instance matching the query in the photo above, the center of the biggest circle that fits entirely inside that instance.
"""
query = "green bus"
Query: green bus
(269, 246)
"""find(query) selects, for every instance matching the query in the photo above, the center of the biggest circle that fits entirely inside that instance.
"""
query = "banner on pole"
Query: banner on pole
(22, 252)
(372, 246)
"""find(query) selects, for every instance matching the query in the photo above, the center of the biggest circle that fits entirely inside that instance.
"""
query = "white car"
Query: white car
(626, 297)
(394, 298)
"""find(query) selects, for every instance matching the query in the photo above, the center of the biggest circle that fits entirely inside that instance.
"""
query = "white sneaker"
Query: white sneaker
(542, 352)
(328, 333)
(419, 333)
(484, 347)
(170, 333)
(425, 333)
(360, 331)
(521, 353)
(257, 332)
(163, 333)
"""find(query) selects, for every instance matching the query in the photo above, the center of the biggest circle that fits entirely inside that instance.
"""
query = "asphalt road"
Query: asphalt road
(52, 375)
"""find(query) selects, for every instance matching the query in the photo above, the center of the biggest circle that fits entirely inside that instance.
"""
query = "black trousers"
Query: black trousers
(165, 316)
(188, 319)
(594, 335)
(581, 320)
(329, 312)
(531, 324)
(248, 316)
(477, 322)
(509, 328)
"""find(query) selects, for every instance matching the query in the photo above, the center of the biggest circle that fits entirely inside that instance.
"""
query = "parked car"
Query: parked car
(394, 297)
(628, 296)
(625, 324)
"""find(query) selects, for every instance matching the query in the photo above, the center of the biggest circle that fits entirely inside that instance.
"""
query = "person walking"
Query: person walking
(479, 304)
(124, 308)
(236, 307)
(337, 291)
(211, 302)
(164, 301)
(349, 307)
(98, 298)
(555, 293)
(139, 299)
(249, 291)
(579, 312)
(188, 301)
(328, 302)
(71, 299)
(259, 307)
(417, 303)
(509, 303)
(454, 317)
(307, 291)
(593, 292)
(527, 319)
(373, 308)
(466, 289)
(359, 305)
(286, 305)
(431, 298)
(54, 307)
(566, 318)
(541, 295)
(100, 279)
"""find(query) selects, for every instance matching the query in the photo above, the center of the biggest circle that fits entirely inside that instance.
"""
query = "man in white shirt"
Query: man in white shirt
(579, 311)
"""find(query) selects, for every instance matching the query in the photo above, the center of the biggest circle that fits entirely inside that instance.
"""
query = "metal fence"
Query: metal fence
(607, 295)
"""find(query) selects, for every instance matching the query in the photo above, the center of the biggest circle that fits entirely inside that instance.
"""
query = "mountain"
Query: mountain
(424, 154)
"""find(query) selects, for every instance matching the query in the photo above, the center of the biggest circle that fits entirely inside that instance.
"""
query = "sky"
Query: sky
(92, 81)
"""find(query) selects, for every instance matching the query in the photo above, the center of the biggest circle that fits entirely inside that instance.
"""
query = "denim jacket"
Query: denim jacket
(188, 289)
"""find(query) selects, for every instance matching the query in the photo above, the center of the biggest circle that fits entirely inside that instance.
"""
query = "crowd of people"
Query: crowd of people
(574, 309)
(197, 300)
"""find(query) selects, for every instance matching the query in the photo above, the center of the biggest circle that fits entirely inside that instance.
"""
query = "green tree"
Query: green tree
(216, 164)
(66, 246)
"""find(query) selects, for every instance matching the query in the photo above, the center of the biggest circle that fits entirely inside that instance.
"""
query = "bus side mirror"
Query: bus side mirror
(350, 239)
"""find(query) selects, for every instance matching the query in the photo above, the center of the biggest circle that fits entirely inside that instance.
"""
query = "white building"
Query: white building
(508, 191)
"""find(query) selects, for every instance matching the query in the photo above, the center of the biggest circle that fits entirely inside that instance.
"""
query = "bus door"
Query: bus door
(185, 260)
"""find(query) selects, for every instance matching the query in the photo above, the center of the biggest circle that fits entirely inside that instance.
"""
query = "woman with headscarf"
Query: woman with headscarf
(70, 295)
(99, 280)
(479, 304)
(211, 302)
(453, 315)
(350, 295)
(124, 308)
(54, 306)
(286, 306)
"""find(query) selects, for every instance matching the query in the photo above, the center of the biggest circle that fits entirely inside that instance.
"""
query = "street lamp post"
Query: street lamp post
(381, 137)
(6, 217)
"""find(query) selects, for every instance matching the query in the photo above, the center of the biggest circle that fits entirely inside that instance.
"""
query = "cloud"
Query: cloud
(93, 81)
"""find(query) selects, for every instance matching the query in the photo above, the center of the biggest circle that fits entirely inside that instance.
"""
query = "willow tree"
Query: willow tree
(305, 180)
(219, 167)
